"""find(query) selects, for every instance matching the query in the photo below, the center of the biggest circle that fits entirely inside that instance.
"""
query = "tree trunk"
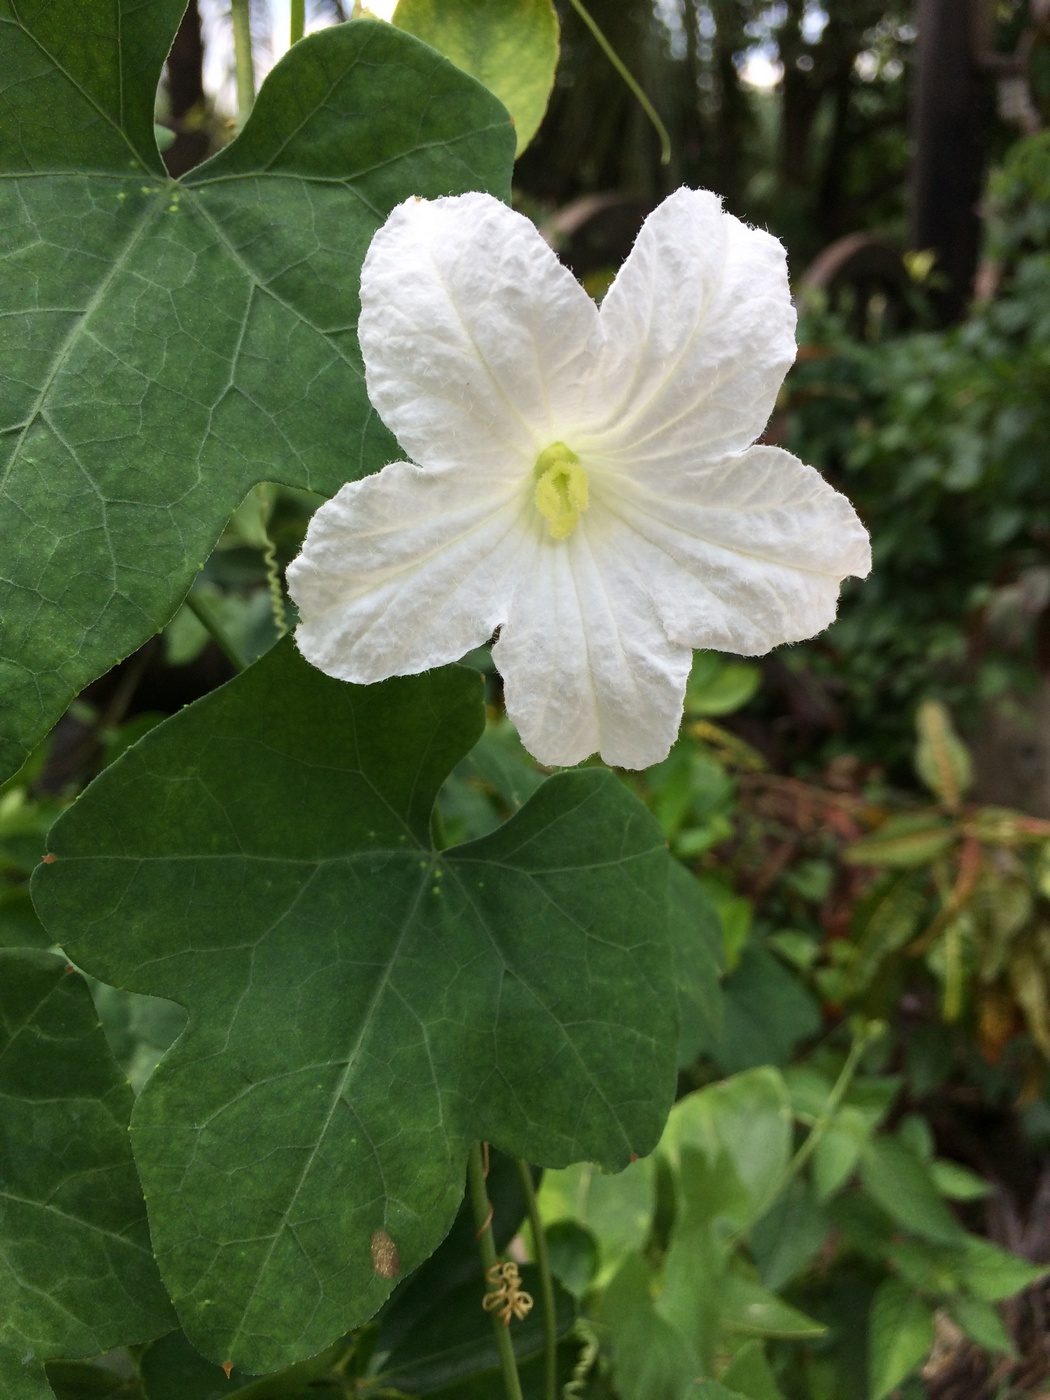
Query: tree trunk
(948, 169)
(186, 91)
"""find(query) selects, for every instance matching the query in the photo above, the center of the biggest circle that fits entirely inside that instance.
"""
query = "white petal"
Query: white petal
(586, 663)
(700, 332)
(476, 340)
(745, 553)
(405, 570)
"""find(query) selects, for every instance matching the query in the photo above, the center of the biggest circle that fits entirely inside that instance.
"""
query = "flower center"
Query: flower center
(561, 489)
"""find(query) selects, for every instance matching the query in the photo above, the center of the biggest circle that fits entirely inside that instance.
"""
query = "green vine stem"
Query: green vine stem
(864, 1037)
(243, 64)
(628, 77)
(298, 20)
(208, 618)
(479, 1200)
(542, 1261)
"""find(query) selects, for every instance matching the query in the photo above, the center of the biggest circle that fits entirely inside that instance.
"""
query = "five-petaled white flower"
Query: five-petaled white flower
(584, 480)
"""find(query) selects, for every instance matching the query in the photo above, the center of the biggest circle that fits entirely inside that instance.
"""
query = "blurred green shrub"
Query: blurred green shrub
(942, 439)
(780, 1241)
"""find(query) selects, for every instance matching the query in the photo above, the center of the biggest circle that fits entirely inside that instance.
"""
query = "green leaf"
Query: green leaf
(361, 1007)
(749, 1374)
(884, 920)
(767, 1011)
(699, 963)
(745, 1306)
(712, 1206)
(980, 1321)
(834, 1157)
(992, 1274)
(80, 1380)
(169, 344)
(865, 1227)
(19, 925)
(718, 687)
(574, 1255)
(747, 1119)
(139, 1029)
(651, 1359)
(958, 1183)
(942, 760)
(501, 762)
(616, 1209)
(903, 841)
(788, 1236)
(511, 46)
(902, 1186)
(171, 1369)
(76, 1273)
(915, 1133)
(900, 1335)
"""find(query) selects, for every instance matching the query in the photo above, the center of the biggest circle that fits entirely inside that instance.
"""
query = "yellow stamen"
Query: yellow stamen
(561, 489)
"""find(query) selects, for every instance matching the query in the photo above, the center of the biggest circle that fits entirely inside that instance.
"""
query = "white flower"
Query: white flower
(584, 480)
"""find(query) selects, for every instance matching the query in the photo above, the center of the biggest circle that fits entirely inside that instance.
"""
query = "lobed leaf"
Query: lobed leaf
(168, 344)
(76, 1272)
(651, 1358)
(360, 1006)
(744, 1121)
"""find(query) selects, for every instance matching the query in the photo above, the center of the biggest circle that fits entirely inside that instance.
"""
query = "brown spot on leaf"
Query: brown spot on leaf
(385, 1257)
(49, 858)
(227, 1366)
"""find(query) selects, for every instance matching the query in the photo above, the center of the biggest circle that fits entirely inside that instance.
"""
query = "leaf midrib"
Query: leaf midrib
(336, 1099)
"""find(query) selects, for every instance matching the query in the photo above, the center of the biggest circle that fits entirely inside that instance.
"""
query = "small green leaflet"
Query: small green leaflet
(76, 1272)
(167, 344)
(360, 1007)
